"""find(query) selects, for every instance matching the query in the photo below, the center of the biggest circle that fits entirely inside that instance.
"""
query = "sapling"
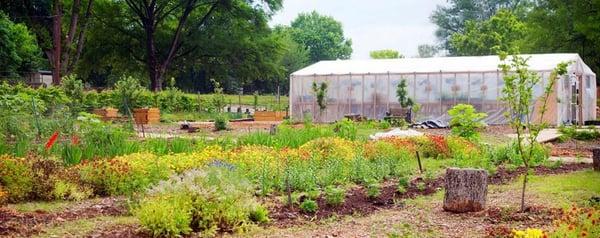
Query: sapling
(402, 95)
(519, 83)
(320, 91)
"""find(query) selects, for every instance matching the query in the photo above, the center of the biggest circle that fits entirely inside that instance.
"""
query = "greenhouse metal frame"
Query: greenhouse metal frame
(368, 88)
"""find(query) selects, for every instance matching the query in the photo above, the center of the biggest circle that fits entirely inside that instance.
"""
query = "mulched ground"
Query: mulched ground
(26, 224)
(574, 148)
(356, 203)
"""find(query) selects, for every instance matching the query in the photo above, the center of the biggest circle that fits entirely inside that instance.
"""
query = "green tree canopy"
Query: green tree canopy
(385, 54)
(19, 52)
(427, 51)
(555, 26)
(502, 32)
(228, 40)
(322, 36)
(453, 17)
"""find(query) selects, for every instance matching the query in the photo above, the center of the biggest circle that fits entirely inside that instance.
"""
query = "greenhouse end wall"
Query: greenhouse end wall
(372, 95)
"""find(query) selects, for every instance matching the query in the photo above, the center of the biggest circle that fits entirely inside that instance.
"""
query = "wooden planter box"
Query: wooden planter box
(106, 114)
(270, 116)
(146, 115)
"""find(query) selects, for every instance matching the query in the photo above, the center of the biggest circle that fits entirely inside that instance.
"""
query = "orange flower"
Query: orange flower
(571, 227)
(75, 140)
(51, 141)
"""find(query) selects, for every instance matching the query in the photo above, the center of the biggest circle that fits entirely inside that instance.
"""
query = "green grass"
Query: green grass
(566, 189)
(80, 228)
(268, 101)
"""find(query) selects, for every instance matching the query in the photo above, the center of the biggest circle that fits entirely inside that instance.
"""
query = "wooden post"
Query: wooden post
(466, 190)
(596, 158)
(419, 160)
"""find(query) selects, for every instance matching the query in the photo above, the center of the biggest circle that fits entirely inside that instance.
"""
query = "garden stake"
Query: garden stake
(419, 160)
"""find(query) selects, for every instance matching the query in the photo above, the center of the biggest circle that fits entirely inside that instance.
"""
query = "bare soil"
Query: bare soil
(25, 224)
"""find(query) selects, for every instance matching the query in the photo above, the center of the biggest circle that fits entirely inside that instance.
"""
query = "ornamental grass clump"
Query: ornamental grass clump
(208, 201)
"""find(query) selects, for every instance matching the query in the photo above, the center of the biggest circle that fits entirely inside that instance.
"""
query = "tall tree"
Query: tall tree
(385, 54)
(47, 18)
(322, 36)
(427, 51)
(502, 32)
(19, 52)
(232, 44)
(565, 26)
(172, 30)
(452, 18)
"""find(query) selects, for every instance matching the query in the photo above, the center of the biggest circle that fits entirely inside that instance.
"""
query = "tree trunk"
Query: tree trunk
(466, 190)
(596, 158)
(56, 41)
(152, 63)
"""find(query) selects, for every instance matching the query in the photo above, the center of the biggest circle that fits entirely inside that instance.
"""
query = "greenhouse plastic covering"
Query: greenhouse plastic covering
(368, 87)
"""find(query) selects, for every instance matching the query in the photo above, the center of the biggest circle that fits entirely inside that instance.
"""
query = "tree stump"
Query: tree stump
(596, 158)
(466, 190)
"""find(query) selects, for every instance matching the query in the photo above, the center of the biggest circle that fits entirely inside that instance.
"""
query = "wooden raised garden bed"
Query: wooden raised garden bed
(146, 115)
(106, 114)
(270, 116)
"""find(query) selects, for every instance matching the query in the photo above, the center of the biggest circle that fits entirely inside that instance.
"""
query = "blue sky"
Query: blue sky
(377, 24)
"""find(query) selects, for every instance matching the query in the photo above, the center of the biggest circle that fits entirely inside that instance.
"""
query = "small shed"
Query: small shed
(368, 87)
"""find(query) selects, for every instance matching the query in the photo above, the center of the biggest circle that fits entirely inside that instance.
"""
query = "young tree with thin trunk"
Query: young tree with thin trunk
(519, 83)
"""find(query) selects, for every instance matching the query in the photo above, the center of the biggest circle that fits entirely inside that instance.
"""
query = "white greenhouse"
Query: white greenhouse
(368, 87)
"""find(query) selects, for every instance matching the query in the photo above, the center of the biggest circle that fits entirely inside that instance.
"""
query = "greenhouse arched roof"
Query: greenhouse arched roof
(537, 62)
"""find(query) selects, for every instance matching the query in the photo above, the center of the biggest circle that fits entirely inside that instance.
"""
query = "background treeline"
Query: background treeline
(194, 41)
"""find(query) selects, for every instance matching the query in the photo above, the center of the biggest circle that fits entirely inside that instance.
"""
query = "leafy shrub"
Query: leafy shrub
(169, 216)
(16, 177)
(335, 196)
(586, 134)
(73, 89)
(213, 200)
(128, 94)
(309, 206)
(401, 189)
(221, 123)
(260, 215)
(65, 190)
(507, 154)
(346, 129)
(384, 125)
(466, 121)
(328, 148)
(373, 189)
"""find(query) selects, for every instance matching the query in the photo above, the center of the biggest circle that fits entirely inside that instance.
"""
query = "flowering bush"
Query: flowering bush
(328, 148)
(529, 233)
(211, 200)
(16, 178)
(578, 222)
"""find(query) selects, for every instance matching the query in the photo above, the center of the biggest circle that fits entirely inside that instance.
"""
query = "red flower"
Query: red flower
(75, 140)
(51, 141)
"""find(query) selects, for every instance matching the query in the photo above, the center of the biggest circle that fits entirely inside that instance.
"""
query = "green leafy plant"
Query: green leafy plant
(584, 134)
(402, 94)
(335, 196)
(373, 189)
(128, 93)
(218, 98)
(309, 206)
(73, 89)
(346, 129)
(221, 122)
(466, 121)
(16, 177)
(320, 91)
(519, 83)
